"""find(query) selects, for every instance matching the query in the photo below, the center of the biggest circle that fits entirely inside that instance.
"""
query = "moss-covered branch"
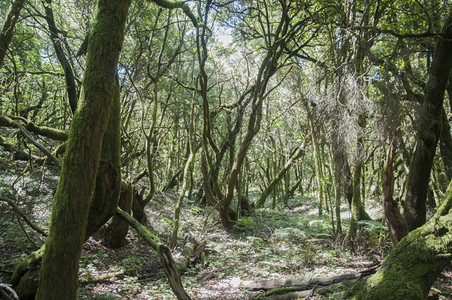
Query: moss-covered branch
(52, 133)
(297, 154)
(163, 252)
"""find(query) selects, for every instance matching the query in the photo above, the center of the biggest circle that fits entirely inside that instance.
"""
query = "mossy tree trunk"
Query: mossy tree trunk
(428, 130)
(71, 87)
(108, 179)
(414, 264)
(445, 145)
(185, 178)
(311, 114)
(59, 269)
(103, 204)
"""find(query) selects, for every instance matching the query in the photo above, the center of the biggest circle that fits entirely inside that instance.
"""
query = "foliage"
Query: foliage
(344, 81)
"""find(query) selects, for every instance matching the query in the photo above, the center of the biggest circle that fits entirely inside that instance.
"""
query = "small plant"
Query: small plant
(244, 223)
(133, 261)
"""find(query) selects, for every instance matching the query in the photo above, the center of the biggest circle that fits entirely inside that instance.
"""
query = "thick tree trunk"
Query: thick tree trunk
(396, 223)
(108, 179)
(6, 34)
(102, 208)
(429, 130)
(59, 269)
(114, 235)
(414, 264)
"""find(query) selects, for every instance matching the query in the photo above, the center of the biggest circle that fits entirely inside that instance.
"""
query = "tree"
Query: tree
(59, 270)
(428, 130)
(414, 264)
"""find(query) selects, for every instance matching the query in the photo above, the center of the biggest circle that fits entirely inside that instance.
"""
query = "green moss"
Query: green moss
(412, 267)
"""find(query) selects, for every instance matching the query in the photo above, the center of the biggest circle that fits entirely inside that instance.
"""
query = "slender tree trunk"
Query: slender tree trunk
(297, 154)
(445, 146)
(59, 269)
(356, 203)
(6, 34)
(188, 166)
(56, 40)
(428, 130)
(338, 159)
(317, 157)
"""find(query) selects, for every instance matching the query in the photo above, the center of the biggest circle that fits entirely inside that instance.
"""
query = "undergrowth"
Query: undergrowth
(286, 242)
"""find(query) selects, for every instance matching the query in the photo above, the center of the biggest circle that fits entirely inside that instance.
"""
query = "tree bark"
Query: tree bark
(445, 146)
(59, 269)
(114, 235)
(428, 130)
(396, 223)
(188, 167)
(108, 179)
(414, 264)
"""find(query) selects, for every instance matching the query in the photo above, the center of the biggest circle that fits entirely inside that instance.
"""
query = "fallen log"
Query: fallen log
(292, 288)
(308, 294)
(191, 253)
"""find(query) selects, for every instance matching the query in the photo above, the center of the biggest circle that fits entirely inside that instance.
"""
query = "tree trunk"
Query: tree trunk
(414, 264)
(396, 223)
(317, 157)
(8, 27)
(108, 179)
(445, 146)
(114, 236)
(428, 130)
(102, 208)
(71, 87)
(59, 269)
(188, 166)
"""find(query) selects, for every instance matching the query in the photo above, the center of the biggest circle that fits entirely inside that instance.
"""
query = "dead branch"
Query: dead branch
(293, 288)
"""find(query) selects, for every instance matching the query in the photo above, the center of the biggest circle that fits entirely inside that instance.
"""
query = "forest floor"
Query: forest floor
(288, 242)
